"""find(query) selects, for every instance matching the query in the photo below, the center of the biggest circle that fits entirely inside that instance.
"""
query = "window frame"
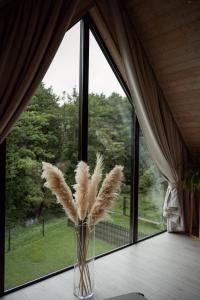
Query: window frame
(2, 214)
(86, 25)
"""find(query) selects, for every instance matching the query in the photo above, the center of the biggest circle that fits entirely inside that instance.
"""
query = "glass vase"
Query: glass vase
(84, 261)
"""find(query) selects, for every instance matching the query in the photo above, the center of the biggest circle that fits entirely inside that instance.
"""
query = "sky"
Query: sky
(63, 73)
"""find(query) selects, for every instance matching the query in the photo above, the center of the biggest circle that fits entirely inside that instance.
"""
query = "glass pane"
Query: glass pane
(38, 238)
(110, 133)
(152, 187)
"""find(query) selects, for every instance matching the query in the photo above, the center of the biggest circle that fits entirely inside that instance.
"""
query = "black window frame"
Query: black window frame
(86, 24)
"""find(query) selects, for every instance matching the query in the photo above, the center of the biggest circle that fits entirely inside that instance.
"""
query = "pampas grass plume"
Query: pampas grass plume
(56, 183)
(81, 188)
(107, 194)
(94, 182)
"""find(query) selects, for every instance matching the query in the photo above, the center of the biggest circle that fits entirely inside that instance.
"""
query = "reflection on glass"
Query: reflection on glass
(38, 238)
(152, 187)
(110, 132)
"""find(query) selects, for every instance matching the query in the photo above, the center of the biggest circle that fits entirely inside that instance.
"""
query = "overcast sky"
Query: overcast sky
(63, 73)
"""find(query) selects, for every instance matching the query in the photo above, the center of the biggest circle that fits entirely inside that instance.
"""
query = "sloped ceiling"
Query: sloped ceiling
(170, 33)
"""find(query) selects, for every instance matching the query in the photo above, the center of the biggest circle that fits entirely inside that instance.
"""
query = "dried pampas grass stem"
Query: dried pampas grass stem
(87, 208)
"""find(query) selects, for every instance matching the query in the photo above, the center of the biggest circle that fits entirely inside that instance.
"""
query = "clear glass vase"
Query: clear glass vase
(84, 261)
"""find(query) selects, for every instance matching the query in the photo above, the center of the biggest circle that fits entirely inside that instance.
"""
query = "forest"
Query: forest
(48, 130)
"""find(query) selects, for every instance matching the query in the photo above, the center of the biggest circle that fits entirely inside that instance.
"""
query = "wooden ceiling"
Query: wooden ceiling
(170, 33)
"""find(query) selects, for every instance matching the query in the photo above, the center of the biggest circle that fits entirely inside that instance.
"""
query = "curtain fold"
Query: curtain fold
(157, 124)
(30, 34)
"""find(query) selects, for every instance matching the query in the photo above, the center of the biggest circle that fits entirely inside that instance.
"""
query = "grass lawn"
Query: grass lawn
(149, 207)
(32, 255)
(143, 226)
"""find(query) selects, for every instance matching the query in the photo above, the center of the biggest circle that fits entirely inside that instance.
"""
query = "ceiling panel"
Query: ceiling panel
(170, 33)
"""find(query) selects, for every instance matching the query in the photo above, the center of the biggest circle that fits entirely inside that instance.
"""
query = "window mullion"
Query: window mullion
(135, 181)
(83, 89)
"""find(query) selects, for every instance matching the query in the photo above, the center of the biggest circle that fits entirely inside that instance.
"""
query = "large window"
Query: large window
(82, 107)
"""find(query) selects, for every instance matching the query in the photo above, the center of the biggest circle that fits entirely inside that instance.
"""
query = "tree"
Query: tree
(34, 138)
(48, 130)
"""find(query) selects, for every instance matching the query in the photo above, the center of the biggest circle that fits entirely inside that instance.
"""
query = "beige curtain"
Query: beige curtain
(158, 126)
(30, 34)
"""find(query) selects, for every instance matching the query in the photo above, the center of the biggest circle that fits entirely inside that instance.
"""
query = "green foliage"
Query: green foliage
(48, 131)
(35, 137)
(191, 179)
(146, 180)
(110, 131)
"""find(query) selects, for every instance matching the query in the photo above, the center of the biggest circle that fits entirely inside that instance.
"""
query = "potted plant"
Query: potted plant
(191, 183)
(85, 208)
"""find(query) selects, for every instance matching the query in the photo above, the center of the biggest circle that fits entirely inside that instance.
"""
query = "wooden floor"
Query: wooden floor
(166, 267)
